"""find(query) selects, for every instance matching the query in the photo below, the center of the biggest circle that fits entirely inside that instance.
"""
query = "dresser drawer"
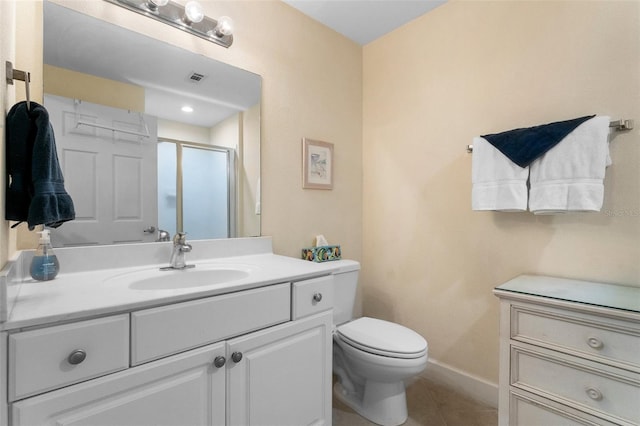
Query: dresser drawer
(166, 330)
(607, 392)
(529, 410)
(311, 296)
(48, 358)
(613, 341)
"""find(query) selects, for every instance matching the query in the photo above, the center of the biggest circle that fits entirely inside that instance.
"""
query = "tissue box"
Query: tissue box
(321, 253)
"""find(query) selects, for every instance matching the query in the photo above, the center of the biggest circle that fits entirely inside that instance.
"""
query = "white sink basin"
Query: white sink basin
(199, 276)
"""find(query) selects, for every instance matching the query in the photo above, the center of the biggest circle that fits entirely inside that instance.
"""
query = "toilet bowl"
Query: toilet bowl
(373, 359)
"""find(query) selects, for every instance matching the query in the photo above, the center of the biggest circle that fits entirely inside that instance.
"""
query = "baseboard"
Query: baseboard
(464, 383)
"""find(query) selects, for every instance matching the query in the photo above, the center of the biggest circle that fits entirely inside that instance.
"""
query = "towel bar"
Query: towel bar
(114, 129)
(618, 126)
(79, 122)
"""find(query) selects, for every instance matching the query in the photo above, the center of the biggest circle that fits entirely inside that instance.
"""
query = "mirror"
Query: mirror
(134, 162)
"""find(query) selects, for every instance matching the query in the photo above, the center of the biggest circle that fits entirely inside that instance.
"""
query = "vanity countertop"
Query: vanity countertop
(87, 293)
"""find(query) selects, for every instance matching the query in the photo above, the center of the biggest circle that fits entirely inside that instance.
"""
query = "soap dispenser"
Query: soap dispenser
(44, 265)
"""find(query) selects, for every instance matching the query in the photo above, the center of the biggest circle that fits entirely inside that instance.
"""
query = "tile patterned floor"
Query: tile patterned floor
(429, 404)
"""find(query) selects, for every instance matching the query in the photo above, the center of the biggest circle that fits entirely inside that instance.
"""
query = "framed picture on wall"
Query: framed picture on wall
(317, 164)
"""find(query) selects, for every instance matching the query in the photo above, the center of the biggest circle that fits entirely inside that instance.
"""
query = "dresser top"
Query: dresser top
(614, 296)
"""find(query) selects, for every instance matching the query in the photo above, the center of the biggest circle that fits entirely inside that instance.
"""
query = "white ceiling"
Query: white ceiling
(364, 20)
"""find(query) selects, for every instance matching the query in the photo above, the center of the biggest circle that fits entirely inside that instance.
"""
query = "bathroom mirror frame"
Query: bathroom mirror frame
(228, 90)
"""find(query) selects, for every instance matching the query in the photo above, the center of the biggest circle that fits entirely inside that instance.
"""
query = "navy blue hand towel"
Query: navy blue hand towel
(522, 146)
(35, 185)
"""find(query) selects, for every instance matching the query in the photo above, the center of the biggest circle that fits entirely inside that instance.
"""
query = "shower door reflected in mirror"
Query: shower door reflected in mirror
(196, 190)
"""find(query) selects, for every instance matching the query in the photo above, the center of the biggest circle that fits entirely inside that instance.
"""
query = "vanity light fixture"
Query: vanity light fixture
(190, 18)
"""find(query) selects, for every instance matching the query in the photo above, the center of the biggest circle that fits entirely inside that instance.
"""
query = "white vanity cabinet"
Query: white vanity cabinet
(282, 376)
(235, 359)
(184, 389)
(569, 353)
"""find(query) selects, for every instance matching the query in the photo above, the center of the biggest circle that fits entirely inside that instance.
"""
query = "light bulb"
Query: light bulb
(193, 13)
(224, 26)
(186, 108)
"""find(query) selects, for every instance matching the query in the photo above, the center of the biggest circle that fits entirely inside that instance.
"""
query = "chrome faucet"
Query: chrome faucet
(163, 235)
(180, 247)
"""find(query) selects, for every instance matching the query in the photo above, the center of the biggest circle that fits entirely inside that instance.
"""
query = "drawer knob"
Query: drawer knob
(594, 394)
(219, 361)
(595, 343)
(317, 297)
(236, 356)
(76, 357)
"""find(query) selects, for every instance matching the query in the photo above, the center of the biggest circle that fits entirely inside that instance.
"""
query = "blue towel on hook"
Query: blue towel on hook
(523, 146)
(35, 185)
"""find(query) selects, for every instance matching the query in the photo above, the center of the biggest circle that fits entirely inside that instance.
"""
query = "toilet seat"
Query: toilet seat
(383, 338)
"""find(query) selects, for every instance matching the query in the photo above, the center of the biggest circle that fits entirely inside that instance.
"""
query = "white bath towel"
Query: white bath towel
(569, 177)
(497, 182)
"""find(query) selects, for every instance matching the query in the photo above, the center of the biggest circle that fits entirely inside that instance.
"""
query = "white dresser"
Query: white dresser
(569, 353)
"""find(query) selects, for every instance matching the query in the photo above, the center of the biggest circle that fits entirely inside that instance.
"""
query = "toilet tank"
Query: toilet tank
(345, 286)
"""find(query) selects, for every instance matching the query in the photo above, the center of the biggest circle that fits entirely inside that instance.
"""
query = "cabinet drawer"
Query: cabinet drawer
(611, 340)
(311, 296)
(166, 330)
(41, 360)
(529, 410)
(603, 391)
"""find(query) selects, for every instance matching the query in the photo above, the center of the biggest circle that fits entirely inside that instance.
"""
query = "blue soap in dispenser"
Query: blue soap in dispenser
(44, 266)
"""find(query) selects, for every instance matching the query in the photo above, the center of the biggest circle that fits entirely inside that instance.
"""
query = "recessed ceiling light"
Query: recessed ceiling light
(187, 108)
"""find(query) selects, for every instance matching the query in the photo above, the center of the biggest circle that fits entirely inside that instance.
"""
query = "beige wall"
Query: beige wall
(7, 98)
(249, 175)
(98, 90)
(472, 68)
(169, 129)
(227, 133)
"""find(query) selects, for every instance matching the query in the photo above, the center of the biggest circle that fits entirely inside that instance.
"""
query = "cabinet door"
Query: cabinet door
(284, 375)
(185, 389)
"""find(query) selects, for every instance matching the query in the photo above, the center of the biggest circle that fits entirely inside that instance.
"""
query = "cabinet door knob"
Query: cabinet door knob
(76, 357)
(317, 297)
(219, 361)
(595, 343)
(594, 394)
(236, 356)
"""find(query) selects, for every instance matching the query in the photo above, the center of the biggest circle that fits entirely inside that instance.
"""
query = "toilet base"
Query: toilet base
(381, 403)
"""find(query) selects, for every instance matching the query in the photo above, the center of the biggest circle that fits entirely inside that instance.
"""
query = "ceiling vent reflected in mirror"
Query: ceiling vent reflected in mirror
(190, 18)
(195, 77)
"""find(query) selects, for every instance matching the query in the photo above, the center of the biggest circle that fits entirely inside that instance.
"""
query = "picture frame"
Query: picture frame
(317, 164)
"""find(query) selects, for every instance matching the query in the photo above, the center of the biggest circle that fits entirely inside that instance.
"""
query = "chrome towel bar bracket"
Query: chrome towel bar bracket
(14, 74)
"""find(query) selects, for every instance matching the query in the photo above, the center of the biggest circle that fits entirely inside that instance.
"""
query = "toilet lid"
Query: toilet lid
(383, 338)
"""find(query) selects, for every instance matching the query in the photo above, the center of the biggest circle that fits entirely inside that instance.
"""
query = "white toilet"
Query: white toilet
(372, 358)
